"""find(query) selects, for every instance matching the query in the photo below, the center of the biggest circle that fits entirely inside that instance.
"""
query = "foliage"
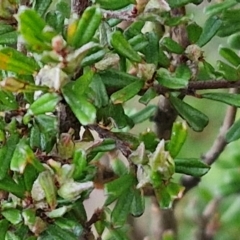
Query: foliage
(62, 72)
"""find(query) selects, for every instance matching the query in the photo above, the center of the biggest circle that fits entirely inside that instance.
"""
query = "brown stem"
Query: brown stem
(201, 85)
(105, 133)
(163, 221)
(78, 6)
(220, 142)
(121, 15)
(208, 222)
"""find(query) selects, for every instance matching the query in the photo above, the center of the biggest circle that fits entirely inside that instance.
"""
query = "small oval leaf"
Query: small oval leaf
(196, 119)
(45, 103)
(210, 28)
(82, 108)
(229, 55)
(168, 80)
(191, 166)
(123, 47)
(127, 92)
(228, 98)
(233, 133)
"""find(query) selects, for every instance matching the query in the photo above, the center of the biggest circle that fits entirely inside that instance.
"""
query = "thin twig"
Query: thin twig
(105, 133)
(220, 142)
(218, 146)
(208, 222)
(200, 85)
(121, 15)
(78, 6)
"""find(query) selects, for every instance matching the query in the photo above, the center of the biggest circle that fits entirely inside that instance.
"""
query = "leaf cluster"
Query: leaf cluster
(53, 62)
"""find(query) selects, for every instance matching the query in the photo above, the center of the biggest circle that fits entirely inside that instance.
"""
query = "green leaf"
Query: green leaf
(114, 113)
(134, 29)
(163, 60)
(6, 153)
(131, 140)
(148, 96)
(234, 41)
(4, 224)
(151, 51)
(196, 119)
(194, 31)
(5, 28)
(167, 193)
(33, 29)
(41, 6)
(80, 86)
(58, 212)
(57, 233)
(179, 3)
(172, 46)
(9, 38)
(30, 175)
(15, 85)
(144, 114)
(12, 215)
(105, 145)
(81, 107)
(163, 197)
(114, 4)
(22, 156)
(80, 163)
(7, 101)
(79, 211)
(47, 183)
(228, 98)
(55, 20)
(127, 92)
(92, 58)
(34, 138)
(122, 209)
(183, 71)
(210, 29)
(229, 55)
(228, 28)
(138, 203)
(11, 236)
(175, 21)
(64, 8)
(15, 61)
(44, 104)
(168, 80)
(233, 133)
(70, 225)
(46, 129)
(9, 185)
(219, 7)
(113, 22)
(138, 42)
(191, 166)
(100, 93)
(117, 234)
(229, 72)
(116, 79)
(118, 166)
(100, 225)
(116, 188)
(123, 47)
(178, 137)
(206, 71)
(86, 27)
(149, 139)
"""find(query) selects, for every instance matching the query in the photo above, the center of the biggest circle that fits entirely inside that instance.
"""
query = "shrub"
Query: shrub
(68, 71)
